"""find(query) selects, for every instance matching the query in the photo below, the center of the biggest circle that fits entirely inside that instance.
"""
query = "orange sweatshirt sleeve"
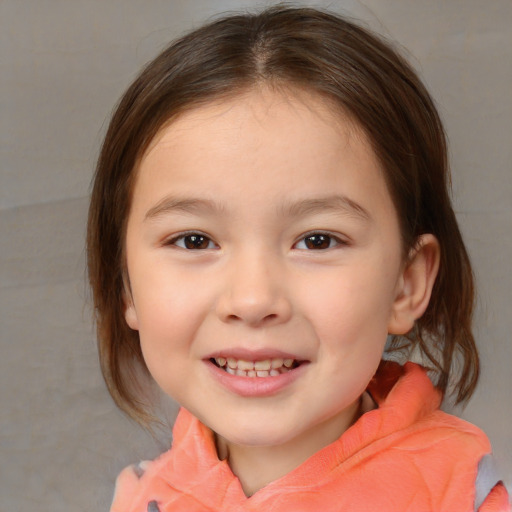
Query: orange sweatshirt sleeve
(496, 501)
(126, 481)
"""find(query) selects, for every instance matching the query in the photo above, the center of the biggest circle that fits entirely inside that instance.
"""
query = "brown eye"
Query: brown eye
(318, 241)
(194, 241)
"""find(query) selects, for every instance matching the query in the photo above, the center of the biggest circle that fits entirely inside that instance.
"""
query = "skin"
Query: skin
(256, 175)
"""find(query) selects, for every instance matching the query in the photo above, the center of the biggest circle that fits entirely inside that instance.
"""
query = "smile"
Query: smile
(253, 374)
(254, 369)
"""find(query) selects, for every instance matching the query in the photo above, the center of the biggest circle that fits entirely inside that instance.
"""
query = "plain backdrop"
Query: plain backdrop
(64, 64)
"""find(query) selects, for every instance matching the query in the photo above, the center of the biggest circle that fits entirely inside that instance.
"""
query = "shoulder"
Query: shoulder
(430, 448)
(136, 482)
(174, 477)
(422, 432)
(448, 432)
(409, 411)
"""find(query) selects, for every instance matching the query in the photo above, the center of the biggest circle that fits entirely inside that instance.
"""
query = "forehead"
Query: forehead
(265, 104)
(271, 144)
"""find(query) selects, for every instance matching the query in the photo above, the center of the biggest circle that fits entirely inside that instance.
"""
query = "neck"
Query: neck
(257, 466)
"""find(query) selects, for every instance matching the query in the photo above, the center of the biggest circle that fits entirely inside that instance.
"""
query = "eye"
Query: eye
(318, 241)
(193, 241)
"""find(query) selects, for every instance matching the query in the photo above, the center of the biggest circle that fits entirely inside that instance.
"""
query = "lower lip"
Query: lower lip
(255, 386)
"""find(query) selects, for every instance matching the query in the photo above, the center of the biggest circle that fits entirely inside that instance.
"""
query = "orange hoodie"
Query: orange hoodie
(405, 455)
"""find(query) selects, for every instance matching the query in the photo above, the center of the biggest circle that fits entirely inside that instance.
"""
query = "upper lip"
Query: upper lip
(245, 354)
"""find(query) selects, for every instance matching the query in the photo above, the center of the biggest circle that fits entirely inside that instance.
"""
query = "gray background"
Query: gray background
(64, 65)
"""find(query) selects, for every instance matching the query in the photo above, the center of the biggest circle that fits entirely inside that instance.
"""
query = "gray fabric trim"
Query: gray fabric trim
(138, 469)
(153, 506)
(486, 479)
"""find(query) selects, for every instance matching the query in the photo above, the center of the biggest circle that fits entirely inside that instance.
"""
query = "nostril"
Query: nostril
(253, 309)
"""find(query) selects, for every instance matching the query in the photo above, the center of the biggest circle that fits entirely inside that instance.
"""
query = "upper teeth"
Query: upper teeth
(262, 365)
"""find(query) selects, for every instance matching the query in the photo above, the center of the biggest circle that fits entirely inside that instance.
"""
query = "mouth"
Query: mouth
(256, 369)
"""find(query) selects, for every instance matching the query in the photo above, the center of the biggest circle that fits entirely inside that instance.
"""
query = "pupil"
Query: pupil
(318, 242)
(196, 242)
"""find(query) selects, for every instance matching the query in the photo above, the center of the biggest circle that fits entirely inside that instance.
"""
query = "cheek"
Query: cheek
(351, 302)
(166, 331)
(163, 294)
(167, 316)
(169, 313)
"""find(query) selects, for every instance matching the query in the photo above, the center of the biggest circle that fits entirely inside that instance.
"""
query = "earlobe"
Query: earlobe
(130, 314)
(415, 285)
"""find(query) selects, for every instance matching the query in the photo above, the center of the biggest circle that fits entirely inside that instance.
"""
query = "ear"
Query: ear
(415, 285)
(130, 313)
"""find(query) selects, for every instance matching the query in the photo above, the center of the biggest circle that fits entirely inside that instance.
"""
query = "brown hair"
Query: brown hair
(343, 62)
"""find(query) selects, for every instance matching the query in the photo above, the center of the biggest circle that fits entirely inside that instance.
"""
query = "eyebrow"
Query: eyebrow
(335, 204)
(184, 205)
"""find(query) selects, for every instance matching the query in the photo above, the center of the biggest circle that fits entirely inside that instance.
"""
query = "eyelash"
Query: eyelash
(321, 237)
(192, 234)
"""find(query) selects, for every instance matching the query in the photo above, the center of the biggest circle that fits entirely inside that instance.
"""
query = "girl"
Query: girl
(270, 207)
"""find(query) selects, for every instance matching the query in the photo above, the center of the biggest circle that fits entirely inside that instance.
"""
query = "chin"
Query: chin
(256, 435)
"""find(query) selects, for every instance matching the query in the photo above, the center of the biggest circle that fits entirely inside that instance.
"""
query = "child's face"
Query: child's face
(261, 229)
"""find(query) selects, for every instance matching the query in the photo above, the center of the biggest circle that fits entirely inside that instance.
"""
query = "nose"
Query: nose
(254, 292)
